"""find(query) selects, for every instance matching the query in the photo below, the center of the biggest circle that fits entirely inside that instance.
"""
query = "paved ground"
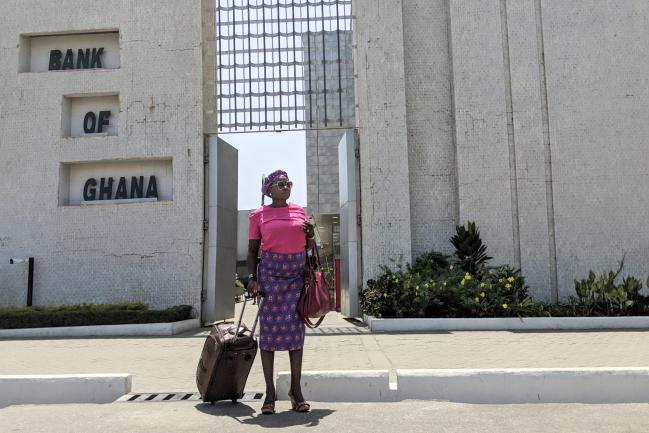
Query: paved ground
(168, 364)
(410, 416)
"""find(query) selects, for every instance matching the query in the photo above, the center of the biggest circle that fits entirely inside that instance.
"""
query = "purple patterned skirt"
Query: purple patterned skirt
(281, 278)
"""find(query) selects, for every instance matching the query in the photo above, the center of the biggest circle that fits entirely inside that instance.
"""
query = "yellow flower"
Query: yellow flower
(468, 276)
(385, 295)
(505, 306)
(444, 283)
(462, 282)
(477, 299)
(508, 286)
(451, 267)
(482, 285)
(426, 286)
(416, 287)
(510, 279)
(500, 280)
(482, 294)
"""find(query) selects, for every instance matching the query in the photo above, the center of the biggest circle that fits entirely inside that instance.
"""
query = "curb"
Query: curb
(63, 388)
(477, 386)
(506, 323)
(340, 385)
(150, 329)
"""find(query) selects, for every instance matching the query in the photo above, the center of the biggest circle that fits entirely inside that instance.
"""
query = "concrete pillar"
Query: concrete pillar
(208, 43)
(381, 115)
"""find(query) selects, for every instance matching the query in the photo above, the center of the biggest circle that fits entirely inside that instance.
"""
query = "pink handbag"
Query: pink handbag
(314, 301)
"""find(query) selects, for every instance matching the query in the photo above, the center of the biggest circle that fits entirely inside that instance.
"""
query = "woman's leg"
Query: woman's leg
(295, 358)
(267, 360)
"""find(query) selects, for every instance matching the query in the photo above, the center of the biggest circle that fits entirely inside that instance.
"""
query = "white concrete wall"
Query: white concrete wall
(149, 252)
(598, 99)
(527, 116)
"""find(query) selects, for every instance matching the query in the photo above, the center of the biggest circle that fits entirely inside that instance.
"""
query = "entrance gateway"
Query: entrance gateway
(287, 66)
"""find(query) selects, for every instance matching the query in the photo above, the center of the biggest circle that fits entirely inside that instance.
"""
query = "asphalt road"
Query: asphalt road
(407, 416)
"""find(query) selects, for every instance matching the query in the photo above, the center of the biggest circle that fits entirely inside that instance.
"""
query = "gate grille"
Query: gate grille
(279, 61)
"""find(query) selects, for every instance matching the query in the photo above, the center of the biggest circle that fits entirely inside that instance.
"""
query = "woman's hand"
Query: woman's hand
(252, 288)
(309, 229)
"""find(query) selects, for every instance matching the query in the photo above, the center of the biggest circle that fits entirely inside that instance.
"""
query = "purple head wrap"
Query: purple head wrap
(270, 179)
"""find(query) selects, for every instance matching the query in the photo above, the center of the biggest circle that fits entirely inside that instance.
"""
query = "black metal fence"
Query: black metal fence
(279, 62)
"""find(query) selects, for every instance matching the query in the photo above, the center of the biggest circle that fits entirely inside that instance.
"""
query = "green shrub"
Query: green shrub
(602, 296)
(448, 292)
(124, 306)
(83, 315)
(430, 263)
(437, 285)
(469, 249)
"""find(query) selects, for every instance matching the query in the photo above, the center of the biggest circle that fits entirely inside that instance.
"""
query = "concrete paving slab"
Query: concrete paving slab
(168, 364)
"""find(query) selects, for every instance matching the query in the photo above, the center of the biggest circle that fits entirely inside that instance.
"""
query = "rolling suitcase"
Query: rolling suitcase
(226, 360)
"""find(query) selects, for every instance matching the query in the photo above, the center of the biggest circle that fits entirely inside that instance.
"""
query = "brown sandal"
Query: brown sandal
(268, 408)
(299, 406)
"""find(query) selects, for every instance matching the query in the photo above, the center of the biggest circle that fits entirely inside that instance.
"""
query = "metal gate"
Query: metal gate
(279, 60)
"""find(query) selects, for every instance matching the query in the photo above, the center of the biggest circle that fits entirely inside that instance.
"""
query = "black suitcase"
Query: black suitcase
(228, 354)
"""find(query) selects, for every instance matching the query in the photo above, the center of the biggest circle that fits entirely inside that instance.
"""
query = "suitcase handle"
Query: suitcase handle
(254, 325)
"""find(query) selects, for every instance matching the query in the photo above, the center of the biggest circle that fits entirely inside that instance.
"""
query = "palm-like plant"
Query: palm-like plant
(469, 249)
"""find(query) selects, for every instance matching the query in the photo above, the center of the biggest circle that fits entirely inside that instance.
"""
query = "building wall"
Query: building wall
(149, 252)
(534, 109)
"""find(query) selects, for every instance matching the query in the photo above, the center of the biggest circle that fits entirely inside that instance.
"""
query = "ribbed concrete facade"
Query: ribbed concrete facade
(527, 116)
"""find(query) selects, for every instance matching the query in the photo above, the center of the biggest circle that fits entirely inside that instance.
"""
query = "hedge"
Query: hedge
(84, 315)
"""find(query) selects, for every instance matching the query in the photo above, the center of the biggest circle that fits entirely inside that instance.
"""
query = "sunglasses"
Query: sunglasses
(284, 184)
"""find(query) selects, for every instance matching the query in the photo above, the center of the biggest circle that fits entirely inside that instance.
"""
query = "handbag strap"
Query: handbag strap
(310, 324)
(316, 253)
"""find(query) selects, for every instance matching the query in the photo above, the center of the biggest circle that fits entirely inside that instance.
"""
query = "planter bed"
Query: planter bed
(505, 323)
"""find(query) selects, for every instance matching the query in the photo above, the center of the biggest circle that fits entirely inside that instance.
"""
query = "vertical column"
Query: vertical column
(536, 216)
(380, 90)
(208, 34)
(503, 177)
(484, 143)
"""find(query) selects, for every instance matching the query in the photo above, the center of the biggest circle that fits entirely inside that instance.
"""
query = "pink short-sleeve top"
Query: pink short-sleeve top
(279, 228)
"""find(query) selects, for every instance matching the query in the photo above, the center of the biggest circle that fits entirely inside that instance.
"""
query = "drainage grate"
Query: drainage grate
(178, 396)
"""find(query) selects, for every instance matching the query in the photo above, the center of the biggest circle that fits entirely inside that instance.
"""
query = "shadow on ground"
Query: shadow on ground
(245, 414)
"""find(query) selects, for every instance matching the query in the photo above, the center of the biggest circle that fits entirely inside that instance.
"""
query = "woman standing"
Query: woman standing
(282, 231)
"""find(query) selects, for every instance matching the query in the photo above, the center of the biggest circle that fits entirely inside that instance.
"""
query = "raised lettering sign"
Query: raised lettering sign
(105, 191)
(85, 59)
(91, 125)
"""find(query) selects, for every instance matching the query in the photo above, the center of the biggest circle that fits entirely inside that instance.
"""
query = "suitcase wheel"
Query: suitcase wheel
(234, 400)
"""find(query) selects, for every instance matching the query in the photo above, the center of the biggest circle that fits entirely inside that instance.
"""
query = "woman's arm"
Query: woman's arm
(252, 261)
